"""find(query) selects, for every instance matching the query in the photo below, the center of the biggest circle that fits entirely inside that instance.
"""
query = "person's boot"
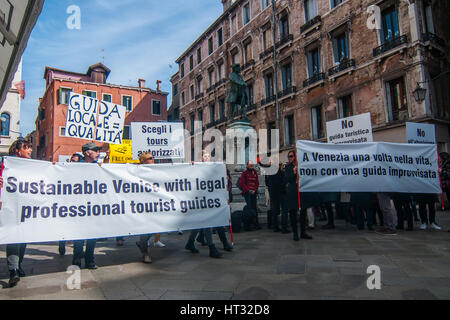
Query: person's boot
(191, 247)
(213, 252)
(304, 235)
(21, 271)
(269, 219)
(223, 238)
(14, 277)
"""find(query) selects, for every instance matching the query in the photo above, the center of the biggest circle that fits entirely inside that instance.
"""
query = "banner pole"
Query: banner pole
(440, 182)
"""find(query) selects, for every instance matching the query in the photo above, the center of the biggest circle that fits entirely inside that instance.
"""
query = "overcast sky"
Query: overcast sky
(134, 38)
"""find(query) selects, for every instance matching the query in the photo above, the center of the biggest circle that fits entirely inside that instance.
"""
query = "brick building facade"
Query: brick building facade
(143, 104)
(332, 61)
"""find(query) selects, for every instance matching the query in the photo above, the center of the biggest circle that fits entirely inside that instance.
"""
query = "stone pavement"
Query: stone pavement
(264, 265)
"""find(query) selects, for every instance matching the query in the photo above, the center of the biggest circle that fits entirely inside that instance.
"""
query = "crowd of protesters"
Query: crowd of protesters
(363, 209)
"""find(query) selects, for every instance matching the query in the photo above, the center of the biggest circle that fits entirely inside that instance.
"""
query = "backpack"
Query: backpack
(238, 183)
(236, 221)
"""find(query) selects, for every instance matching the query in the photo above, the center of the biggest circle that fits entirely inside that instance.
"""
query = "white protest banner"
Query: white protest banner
(355, 129)
(68, 201)
(165, 140)
(368, 167)
(91, 119)
(420, 133)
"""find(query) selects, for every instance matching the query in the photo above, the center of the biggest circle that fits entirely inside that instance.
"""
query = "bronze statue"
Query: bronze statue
(237, 96)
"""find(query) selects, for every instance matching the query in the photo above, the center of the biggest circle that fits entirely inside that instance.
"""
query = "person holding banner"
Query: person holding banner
(213, 252)
(91, 153)
(15, 252)
(145, 158)
(62, 244)
(292, 189)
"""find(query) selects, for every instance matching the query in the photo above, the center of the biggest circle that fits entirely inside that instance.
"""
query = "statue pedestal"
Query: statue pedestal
(245, 143)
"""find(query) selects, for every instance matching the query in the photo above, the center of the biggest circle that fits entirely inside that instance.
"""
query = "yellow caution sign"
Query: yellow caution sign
(121, 153)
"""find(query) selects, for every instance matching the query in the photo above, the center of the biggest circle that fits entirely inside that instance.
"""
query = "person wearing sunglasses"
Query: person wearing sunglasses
(291, 180)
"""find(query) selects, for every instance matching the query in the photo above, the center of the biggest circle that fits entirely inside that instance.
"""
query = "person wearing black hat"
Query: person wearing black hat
(91, 153)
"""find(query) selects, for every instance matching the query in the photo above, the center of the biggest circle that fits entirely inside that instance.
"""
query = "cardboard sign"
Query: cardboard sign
(420, 133)
(121, 153)
(355, 129)
(165, 140)
(94, 120)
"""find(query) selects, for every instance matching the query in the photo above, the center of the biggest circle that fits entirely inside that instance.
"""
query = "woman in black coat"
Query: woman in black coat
(291, 181)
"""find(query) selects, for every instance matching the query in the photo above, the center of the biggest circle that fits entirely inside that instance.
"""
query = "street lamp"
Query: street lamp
(419, 93)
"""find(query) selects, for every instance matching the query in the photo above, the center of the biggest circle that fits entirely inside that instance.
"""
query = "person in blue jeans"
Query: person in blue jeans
(91, 153)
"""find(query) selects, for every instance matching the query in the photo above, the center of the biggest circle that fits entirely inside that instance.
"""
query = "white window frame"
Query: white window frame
(71, 90)
(89, 91)
(249, 13)
(263, 7)
(106, 94)
(160, 108)
(126, 95)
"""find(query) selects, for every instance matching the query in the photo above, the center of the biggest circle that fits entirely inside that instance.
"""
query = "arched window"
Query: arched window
(5, 121)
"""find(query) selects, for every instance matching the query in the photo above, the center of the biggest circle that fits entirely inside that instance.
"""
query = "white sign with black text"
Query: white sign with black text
(355, 129)
(420, 133)
(165, 140)
(95, 120)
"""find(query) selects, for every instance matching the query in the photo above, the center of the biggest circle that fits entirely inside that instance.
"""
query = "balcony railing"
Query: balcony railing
(199, 96)
(248, 64)
(310, 23)
(433, 39)
(287, 91)
(265, 53)
(394, 43)
(211, 88)
(314, 79)
(221, 120)
(220, 82)
(267, 100)
(211, 124)
(251, 107)
(342, 66)
(286, 38)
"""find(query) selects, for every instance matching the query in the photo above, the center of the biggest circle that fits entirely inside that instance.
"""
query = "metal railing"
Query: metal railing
(200, 95)
(267, 100)
(343, 65)
(287, 91)
(310, 23)
(286, 38)
(265, 53)
(433, 39)
(248, 64)
(314, 79)
(389, 45)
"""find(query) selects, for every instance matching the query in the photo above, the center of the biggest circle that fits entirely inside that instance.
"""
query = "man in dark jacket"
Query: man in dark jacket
(249, 184)
(91, 153)
(290, 176)
(278, 198)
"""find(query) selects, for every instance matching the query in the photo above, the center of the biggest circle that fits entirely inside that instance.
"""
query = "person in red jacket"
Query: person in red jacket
(249, 184)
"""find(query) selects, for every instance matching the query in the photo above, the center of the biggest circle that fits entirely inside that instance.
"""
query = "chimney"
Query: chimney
(158, 85)
(226, 4)
(141, 83)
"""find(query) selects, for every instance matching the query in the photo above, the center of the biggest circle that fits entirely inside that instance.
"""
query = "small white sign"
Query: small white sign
(91, 119)
(420, 133)
(165, 140)
(355, 129)
(64, 158)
